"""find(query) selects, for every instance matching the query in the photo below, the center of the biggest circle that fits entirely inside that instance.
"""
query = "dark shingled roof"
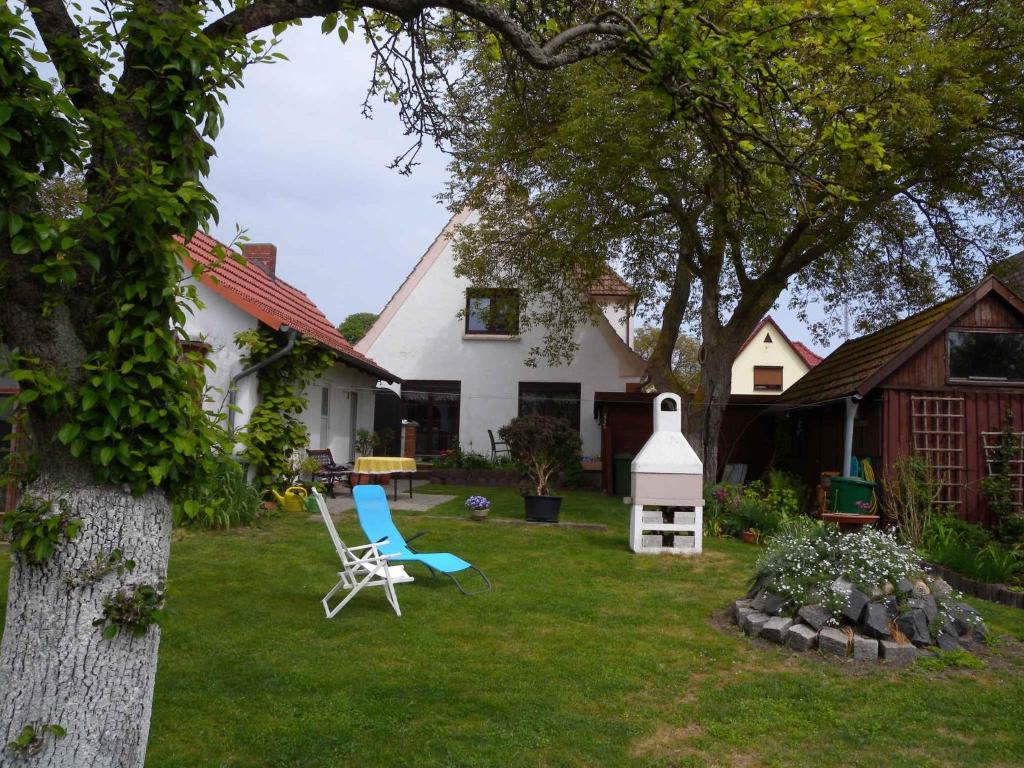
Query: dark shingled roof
(1011, 272)
(859, 365)
(843, 371)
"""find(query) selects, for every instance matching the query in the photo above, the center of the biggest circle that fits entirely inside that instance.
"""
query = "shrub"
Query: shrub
(545, 445)
(218, 498)
(732, 509)
(969, 549)
(911, 492)
(803, 562)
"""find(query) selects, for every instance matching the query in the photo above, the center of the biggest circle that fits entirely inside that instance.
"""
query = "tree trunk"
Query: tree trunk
(55, 665)
(707, 408)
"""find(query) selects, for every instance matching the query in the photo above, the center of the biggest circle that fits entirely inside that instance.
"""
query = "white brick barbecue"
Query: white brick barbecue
(667, 487)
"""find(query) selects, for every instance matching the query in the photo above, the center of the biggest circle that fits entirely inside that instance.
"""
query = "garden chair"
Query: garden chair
(363, 566)
(329, 472)
(375, 519)
(497, 446)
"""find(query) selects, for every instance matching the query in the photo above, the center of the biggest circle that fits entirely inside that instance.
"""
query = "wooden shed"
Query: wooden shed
(940, 384)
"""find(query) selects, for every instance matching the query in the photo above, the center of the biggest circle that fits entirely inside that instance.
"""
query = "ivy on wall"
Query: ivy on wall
(274, 430)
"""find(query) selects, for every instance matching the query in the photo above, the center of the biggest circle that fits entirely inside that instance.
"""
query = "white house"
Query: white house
(241, 296)
(463, 376)
(769, 363)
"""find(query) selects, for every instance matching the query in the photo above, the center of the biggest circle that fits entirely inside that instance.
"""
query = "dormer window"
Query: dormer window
(492, 311)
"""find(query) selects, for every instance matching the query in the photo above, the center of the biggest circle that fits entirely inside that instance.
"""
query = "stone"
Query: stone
(753, 622)
(947, 641)
(757, 586)
(876, 621)
(914, 625)
(888, 588)
(759, 599)
(814, 615)
(904, 587)
(773, 604)
(833, 642)
(855, 602)
(921, 589)
(925, 604)
(775, 629)
(739, 605)
(940, 587)
(964, 618)
(801, 637)
(896, 653)
(864, 648)
(892, 607)
(739, 615)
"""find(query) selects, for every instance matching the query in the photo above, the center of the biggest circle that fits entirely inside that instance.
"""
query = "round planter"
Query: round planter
(749, 537)
(542, 509)
(479, 514)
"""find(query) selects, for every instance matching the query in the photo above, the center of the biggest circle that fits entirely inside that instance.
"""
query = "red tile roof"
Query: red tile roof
(809, 357)
(272, 301)
(610, 284)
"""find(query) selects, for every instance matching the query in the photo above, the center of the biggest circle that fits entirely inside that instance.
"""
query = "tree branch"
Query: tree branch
(79, 71)
(607, 35)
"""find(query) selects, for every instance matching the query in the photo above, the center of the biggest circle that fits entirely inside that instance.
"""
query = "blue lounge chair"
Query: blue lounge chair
(375, 519)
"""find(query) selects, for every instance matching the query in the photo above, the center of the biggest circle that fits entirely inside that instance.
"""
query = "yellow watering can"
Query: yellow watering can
(293, 500)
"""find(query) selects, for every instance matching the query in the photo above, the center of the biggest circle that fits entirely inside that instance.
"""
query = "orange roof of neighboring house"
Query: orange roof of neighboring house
(610, 284)
(809, 357)
(271, 300)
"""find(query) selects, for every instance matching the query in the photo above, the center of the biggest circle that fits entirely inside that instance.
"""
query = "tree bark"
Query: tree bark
(707, 407)
(55, 665)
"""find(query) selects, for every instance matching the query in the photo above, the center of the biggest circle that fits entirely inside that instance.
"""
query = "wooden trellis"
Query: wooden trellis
(937, 427)
(991, 442)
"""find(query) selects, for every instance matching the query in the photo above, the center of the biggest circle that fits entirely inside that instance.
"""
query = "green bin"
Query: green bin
(845, 492)
(621, 474)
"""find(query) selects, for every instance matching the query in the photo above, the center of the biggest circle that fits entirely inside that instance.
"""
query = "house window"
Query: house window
(551, 399)
(434, 406)
(493, 311)
(767, 378)
(986, 355)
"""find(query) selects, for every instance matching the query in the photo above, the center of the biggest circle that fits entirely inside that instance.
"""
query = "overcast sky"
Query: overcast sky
(297, 165)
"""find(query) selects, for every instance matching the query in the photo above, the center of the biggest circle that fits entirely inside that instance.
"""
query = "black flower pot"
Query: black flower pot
(542, 509)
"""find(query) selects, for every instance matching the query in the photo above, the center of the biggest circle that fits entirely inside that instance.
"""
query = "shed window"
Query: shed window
(551, 399)
(492, 311)
(768, 378)
(986, 355)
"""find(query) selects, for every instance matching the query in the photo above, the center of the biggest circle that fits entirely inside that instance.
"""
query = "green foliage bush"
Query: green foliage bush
(731, 509)
(219, 498)
(544, 445)
(971, 550)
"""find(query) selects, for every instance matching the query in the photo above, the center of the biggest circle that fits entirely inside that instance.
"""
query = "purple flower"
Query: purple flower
(478, 502)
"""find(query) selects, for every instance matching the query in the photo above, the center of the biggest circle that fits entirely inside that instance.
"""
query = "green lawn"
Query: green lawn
(583, 655)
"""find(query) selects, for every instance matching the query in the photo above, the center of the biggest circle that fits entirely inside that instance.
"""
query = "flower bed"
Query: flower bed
(862, 593)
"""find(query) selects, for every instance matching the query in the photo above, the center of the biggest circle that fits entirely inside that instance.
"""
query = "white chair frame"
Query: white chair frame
(362, 566)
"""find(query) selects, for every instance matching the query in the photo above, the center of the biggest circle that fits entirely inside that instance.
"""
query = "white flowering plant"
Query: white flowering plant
(803, 562)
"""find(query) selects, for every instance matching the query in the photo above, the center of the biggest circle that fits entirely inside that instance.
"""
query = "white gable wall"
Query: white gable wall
(758, 353)
(348, 390)
(420, 336)
(217, 323)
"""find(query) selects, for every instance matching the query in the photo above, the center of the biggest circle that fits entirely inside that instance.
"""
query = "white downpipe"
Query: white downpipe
(852, 404)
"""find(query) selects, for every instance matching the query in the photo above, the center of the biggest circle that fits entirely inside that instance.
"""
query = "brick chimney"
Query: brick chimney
(262, 254)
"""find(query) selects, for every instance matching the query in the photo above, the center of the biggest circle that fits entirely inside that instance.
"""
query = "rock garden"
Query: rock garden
(863, 595)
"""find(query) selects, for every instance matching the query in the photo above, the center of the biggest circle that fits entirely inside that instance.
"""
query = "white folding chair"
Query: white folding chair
(361, 567)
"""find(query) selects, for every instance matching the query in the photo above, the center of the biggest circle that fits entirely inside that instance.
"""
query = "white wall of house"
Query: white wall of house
(779, 353)
(349, 406)
(217, 323)
(420, 336)
(616, 314)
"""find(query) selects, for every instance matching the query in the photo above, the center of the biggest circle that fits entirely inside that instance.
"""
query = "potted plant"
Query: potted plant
(544, 445)
(478, 507)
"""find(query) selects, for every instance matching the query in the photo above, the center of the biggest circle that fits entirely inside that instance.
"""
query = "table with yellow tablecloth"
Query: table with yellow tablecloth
(379, 470)
(384, 464)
